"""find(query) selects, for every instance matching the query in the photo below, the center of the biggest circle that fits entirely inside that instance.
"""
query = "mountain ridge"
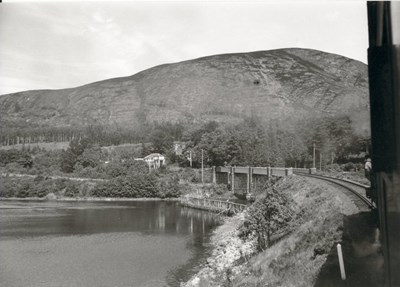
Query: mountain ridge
(273, 84)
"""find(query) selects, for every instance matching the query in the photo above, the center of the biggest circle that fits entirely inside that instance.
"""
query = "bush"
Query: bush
(333, 167)
(14, 168)
(23, 158)
(91, 157)
(71, 190)
(88, 172)
(132, 186)
(123, 168)
(137, 184)
(47, 161)
(38, 187)
(191, 175)
(169, 186)
(349, 167)
(212, 189)
(267, 217)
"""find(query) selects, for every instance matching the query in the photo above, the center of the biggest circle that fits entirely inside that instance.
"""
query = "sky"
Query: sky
(53, 45)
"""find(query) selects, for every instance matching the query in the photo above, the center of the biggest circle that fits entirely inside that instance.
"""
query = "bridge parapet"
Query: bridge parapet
(242, 178)
(280, 171)
(305, 170)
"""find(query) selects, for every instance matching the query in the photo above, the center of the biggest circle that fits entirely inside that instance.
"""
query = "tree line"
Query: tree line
(252, 141)
(103, 135)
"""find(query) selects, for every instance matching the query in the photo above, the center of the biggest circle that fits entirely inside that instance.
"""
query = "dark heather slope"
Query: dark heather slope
(276, 84)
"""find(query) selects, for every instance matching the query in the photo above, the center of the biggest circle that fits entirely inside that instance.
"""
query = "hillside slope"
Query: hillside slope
(270, 84)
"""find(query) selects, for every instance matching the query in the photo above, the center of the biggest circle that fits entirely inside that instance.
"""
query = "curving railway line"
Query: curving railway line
(355, 190)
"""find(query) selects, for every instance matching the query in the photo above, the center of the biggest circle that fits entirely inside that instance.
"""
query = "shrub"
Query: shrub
(123, 168)
(39, 187)
(23, 158)
(9, 187)
(68, 160)
(91, 157)
(14, 168)
(349, 167)
(48, 160)
(22, 189)
(267, 217)
(333, 167)
(191, 175)
(132, 186)
(88, 172)
(169, 186)
(71, 189)
(214, 189)
(135, 184)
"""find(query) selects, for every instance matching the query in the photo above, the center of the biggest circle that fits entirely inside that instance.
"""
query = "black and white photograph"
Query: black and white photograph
(199, 143)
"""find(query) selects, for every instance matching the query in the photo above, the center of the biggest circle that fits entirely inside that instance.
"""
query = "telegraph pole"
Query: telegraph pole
(202, 167)
(320, 160)
(313, 156)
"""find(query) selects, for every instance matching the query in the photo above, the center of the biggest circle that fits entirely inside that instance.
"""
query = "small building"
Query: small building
(155, 160)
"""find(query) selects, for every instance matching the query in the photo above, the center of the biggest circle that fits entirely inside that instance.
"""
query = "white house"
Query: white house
(155, 160)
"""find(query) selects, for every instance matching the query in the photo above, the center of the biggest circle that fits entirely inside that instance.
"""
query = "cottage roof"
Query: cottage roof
(153, 155)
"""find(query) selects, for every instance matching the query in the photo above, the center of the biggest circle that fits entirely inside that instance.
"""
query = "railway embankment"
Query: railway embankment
(299, 258)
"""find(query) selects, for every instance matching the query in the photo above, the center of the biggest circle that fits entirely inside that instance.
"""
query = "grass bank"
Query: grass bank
(293, 260)
(145, 185)
(135, 185)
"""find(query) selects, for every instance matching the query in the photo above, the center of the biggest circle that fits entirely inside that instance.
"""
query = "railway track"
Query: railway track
(356, 190)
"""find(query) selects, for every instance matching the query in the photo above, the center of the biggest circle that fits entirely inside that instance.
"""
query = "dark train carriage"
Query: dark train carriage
(384, 80)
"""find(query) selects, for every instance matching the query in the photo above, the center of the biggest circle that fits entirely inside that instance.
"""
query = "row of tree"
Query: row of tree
(250, 142)
(256, 143)
(104, 135)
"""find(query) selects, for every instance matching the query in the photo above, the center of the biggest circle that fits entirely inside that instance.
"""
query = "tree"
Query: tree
(22, 157)
(91, 157)
(144, 150)
(161, 141)
(219, 146)
(70, 156)
(267, 217)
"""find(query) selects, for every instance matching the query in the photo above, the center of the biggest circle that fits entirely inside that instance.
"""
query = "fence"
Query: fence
(213, 205)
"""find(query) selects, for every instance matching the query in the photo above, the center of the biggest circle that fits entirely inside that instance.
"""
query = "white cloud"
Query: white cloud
(70, 44)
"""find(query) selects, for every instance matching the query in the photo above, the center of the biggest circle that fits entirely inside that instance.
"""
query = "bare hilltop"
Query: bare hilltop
(277, 84)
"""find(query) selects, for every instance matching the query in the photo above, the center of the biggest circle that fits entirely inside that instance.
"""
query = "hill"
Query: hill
(276, 84)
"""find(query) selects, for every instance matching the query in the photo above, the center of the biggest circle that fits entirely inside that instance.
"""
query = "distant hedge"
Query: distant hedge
(139, 185)
(40, 186)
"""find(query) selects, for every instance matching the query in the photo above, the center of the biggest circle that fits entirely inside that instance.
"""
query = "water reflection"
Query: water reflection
(133, 228)
(86, 218)
(197, 223)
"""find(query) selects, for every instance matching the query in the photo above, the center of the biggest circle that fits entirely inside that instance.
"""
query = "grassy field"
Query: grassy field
(46, 146)
(64, 145)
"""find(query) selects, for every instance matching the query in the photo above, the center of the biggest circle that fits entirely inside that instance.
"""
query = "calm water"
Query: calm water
(101, 244)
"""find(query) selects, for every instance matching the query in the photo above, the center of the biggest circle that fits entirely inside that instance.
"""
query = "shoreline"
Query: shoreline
(89, 199)
(227, 252)
(304, 248)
